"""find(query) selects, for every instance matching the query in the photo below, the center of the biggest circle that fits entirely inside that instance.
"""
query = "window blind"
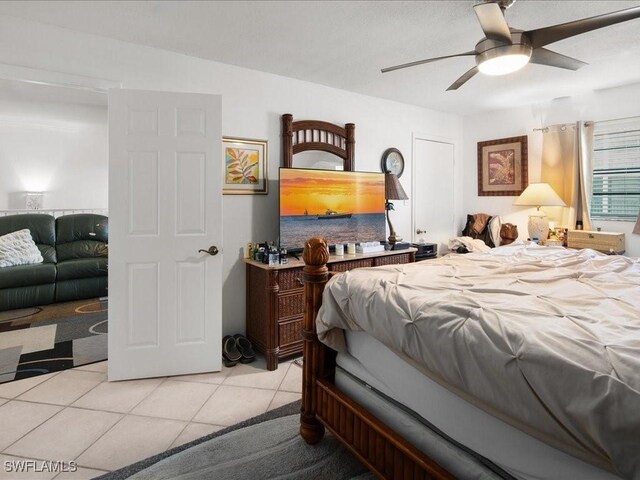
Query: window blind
(616, 169)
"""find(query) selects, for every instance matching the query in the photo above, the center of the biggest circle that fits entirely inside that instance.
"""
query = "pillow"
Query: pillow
(494, 228)
(469, 244)
(18, 248)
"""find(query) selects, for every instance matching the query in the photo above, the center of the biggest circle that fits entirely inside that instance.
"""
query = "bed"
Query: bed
(520, 363)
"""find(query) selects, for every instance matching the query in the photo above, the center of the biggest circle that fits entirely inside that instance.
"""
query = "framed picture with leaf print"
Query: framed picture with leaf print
(503, 167)
(245, 166)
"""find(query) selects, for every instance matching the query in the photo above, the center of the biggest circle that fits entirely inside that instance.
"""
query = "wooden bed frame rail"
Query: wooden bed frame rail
(381, 449)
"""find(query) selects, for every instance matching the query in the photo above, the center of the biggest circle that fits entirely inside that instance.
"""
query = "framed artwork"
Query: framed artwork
(245, 166)
(503, 167)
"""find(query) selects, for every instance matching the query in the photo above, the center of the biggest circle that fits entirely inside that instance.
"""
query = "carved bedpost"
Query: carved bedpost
(350, 146)
(316, 275)
(287, 140)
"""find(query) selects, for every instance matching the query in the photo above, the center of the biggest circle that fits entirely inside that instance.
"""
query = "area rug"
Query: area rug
(39, 340)
(267, 446)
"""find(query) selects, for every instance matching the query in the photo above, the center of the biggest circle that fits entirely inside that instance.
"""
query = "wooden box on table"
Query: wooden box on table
(605, 242)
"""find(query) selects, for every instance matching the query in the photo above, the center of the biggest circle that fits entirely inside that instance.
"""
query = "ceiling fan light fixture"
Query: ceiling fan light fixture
(495, 59)
(504, 50)
(504, 64)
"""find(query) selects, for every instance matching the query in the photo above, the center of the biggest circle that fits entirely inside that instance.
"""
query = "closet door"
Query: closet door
(433, 192)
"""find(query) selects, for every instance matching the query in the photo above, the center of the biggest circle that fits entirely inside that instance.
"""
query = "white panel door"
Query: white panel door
(165, 204)
(434, 195)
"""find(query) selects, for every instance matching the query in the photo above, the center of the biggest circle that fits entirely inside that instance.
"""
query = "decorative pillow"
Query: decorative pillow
(494, 228)
(18, 248)
(508, 233)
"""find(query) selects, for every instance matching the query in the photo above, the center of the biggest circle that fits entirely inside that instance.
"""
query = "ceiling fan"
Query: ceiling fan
(504, 50)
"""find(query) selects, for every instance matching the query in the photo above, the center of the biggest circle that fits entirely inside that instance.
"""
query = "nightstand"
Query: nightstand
(425, 251)
(275, 299)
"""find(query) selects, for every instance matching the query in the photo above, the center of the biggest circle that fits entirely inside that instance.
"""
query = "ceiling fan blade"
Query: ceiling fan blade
(546, 35)
(493, 22)
(463, 79)
(420, 62)
(542, 56)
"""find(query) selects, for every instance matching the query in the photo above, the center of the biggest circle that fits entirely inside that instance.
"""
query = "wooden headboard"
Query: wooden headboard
(308, 135)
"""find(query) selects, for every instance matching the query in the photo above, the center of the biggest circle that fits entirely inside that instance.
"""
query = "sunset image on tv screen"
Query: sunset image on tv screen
(336, 205)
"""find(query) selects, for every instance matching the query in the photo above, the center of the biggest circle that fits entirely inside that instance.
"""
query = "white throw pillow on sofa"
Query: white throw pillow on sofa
(18, 248)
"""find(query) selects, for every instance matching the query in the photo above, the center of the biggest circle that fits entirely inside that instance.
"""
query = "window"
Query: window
(616, 170)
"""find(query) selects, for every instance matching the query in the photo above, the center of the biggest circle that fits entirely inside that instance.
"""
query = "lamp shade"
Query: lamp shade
(33, 200)
(539, 195)
(636, 229)
(393, 188)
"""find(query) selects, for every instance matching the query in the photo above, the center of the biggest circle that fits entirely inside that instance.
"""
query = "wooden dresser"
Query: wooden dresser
(275, 299)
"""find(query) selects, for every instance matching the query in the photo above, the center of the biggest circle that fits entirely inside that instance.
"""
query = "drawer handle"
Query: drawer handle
(299, 281)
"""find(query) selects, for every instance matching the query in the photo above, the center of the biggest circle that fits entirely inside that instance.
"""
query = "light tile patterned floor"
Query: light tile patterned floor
(77, 415)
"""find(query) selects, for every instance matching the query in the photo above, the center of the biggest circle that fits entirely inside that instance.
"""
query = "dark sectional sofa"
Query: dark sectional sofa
(74, 249)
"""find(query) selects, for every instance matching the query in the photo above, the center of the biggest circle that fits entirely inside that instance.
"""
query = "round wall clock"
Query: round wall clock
(393, 161)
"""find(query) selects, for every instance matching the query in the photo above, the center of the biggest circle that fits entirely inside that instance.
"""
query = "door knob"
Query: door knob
(213, 250)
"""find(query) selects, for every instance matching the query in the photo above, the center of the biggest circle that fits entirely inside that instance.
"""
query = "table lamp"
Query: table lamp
(539, 195)
(636, 229)
(33, 200)
(393, 191)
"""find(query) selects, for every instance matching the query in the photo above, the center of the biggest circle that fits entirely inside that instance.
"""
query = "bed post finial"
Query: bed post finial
(315, 252)
(316, 274)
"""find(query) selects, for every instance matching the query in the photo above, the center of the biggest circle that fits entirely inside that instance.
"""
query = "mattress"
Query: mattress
(546, 339)
(511, 450)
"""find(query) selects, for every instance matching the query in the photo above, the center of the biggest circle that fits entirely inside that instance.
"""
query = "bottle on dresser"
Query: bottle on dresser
(274, 255)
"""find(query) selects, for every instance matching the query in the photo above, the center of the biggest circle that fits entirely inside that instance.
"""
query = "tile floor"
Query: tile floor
(77, 415)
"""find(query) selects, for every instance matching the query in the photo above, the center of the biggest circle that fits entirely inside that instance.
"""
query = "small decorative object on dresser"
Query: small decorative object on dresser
(245, 166)
(392, 162)
(393, 191)
(502, 167)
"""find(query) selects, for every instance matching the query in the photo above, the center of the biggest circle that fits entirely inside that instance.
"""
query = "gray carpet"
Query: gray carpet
(265, 447)
(39, 340)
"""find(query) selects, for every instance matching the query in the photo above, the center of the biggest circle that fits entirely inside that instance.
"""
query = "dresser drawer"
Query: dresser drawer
(290, 331)
(290, 304)
(392, 259)
(351, 265)
(290, 279)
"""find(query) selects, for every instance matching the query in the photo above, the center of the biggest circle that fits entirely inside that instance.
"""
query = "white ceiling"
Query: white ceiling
(344, 44)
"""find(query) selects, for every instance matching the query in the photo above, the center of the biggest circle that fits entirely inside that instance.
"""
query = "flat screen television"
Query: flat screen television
(339, 206)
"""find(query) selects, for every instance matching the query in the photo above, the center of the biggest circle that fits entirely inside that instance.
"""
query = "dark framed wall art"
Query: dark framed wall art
(503, 167)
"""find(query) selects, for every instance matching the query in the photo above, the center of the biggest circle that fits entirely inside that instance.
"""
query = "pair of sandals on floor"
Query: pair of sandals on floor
(236, 349)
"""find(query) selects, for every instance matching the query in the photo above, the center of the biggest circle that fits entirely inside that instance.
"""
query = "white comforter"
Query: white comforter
(547, 339)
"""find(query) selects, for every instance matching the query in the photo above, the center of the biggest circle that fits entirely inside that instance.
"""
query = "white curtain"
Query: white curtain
(567, 153)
